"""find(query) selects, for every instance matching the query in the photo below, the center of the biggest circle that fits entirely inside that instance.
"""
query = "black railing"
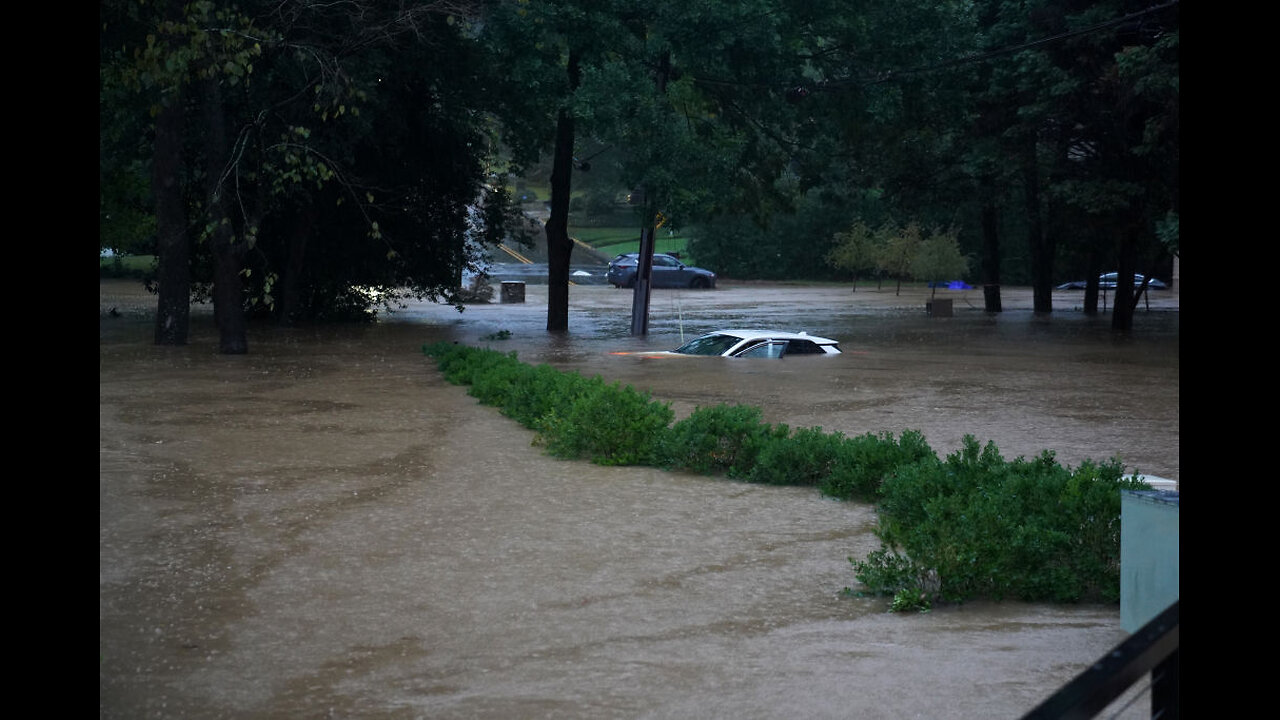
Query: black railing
(1152, 649)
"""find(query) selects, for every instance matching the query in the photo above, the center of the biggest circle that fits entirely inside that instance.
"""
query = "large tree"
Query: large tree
(321, 155)
(1120, 141)
(135, 83)
(679, 91)
(1051, 123)
(1079, 101)
(862, 106)
(542, 47)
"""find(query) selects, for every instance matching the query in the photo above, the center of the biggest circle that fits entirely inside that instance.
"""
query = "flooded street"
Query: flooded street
(325, 528)
(1065, 383)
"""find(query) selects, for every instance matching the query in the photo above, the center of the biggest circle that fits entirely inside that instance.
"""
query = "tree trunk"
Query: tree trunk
(173, 306)
(644, 263)
(291, 283)
(1093, 268)
(1122, 313)
(228, 290)
(1038, 245)
(990, 248)
(559, 246)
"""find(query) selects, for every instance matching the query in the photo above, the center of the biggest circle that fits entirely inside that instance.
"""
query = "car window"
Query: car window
(805, 347)
(665, 261)
(766, 349)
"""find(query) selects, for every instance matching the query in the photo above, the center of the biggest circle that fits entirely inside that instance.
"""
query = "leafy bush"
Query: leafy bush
(722, 439)
(575, 417)
(609, 424)
(910, 599)
(461, 364)
(866, 460)
(542, 391)
(1026, 529)
(886, 571)
(493, 380)
(805, 457)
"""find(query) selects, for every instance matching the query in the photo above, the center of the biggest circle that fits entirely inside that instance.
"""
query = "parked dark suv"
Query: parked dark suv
(668, 272)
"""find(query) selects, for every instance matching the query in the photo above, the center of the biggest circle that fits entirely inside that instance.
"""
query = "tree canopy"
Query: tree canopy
(306, 160)
(323, 158)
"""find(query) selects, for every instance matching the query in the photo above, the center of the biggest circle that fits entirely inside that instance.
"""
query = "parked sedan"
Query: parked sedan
(668, 272)
(1107, 281)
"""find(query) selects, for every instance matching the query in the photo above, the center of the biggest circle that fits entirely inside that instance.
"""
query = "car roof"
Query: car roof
(746, 333)
(636, 255)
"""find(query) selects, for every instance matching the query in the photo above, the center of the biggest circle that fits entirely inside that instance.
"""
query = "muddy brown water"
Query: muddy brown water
(325, 528)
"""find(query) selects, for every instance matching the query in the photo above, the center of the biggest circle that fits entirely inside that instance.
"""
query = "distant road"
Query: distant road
(536, 273)
(529, 264)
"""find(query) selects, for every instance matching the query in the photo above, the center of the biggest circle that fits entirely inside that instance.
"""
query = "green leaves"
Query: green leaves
(718, 439)
(575, 417)
(938, 258)
(1026, 529)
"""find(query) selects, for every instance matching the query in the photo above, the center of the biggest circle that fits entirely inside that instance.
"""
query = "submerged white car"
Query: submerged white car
(753, 344)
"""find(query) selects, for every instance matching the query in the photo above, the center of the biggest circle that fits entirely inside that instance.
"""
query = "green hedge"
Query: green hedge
(722, 439)
(977, 525)
(972, 525)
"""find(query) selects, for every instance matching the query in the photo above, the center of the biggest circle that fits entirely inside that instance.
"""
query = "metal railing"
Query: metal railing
(1152, 649)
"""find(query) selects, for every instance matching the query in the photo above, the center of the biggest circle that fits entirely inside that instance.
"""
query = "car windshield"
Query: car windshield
(714, 344)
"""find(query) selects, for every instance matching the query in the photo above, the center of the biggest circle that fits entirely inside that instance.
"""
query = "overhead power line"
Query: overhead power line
(796, 92)
(989, 54)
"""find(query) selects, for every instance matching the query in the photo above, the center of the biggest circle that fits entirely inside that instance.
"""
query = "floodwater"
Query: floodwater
(325, 528)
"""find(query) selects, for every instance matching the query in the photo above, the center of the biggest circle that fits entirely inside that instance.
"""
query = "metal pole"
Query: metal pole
(644, 278)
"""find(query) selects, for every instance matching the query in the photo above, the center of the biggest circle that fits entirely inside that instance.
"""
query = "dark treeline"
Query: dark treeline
(303, 160)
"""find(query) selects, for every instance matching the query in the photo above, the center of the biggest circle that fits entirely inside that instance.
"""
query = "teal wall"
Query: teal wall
(1148, 555)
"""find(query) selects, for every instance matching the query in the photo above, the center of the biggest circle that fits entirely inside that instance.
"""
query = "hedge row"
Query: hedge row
(971, 525)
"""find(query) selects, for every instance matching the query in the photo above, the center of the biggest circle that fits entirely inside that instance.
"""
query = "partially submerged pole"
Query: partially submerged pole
(644, 279)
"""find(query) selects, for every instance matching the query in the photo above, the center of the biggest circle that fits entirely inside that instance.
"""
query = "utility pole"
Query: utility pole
(644, 276)
(644, 264)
